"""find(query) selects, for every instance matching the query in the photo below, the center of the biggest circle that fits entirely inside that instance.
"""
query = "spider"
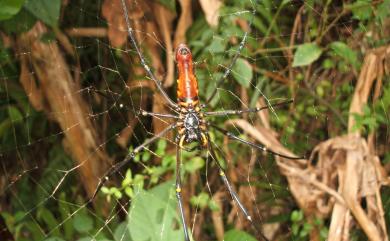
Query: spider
(190, 121)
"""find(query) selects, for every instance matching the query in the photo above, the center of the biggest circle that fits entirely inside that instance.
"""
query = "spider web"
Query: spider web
(57, 144)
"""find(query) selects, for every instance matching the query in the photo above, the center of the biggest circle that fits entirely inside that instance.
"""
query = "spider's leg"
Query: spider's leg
(235, 57)
(254, 145)
(114, 169)
(152, 114)
(178, 191)
(250, 110)
(143, 61)
(231, 190)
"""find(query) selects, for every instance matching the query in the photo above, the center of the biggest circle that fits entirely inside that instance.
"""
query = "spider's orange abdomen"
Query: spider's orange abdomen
(187, 85)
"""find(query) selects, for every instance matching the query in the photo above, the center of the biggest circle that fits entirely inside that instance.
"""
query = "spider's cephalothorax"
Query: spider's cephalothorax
(191, 124)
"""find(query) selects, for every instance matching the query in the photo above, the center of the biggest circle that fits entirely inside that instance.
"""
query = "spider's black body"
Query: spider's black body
(192, 126)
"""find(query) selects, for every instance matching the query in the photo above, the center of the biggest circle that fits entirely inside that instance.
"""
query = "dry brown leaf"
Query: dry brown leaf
(211, 11)
(184, 23)
(263, 136)
(372, 69)
(112, 11)
(164, 19)
(66, 106)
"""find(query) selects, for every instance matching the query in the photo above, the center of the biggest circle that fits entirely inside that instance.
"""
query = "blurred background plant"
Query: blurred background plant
(315, 52)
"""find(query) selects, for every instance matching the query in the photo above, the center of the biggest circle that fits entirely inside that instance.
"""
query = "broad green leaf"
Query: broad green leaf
(82, 223)
(34, 230)
(361, 9)
(153, 216)
(121, 233)
(9, 8)
(48, 218)
(237, 235)
(46, 10)
(306, 54)
(217, 45)
(342, 50)
(242, 72)
(19, 23)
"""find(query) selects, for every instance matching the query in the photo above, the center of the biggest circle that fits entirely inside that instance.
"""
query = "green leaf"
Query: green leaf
(153, 216)
(327, 64)
(8, 8)
(242, 72)
(105, 190)
(237, 235)
(194, 164)
(306, 54)
(201, 200)
(295, 228)
(217, 46)
(121, 233)
(382, 11)
(5, 126)
(170, 4)
(161, 145)
(82, 223)
(342, 50)
(129, 192)
(64, 209)
(54, 239)
(361, 9)
(213, 205)
(139, 180)
(46, 10)
(117, 194)
(128, 179)
(168, 160)
(324, 233)
(296, 216)
(100, 237)
(14, 114)
(48, 218)
(146, 156)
